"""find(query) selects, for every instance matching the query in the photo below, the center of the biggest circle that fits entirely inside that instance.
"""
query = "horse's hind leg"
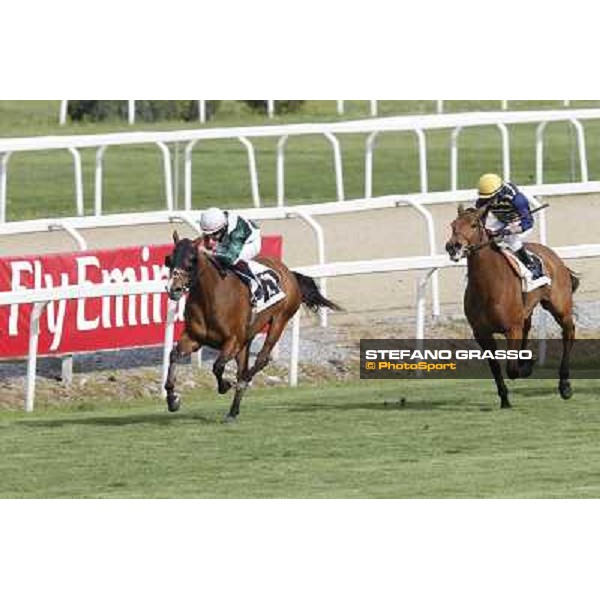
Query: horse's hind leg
(525, 364)
(489, 343)
(184, 346)
(566, 323)
(262, 360)
(241, 384)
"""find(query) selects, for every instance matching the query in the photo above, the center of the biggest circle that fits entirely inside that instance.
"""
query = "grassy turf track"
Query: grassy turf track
(41, 184)
(333, 441)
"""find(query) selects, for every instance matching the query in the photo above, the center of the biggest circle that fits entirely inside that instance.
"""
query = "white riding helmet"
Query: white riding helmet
(212, 220)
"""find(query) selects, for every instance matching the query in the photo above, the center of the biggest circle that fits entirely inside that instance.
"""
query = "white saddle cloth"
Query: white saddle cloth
(528, 283)
(271, 286)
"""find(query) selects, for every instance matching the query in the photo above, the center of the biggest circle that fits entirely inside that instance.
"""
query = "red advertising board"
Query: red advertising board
(85, 325)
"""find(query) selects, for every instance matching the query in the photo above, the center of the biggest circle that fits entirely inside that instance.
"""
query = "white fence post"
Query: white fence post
(34, 333)
(98, 180)
(318, 231)
(168, 171)
(281, 170)
(454, 158)
(64, 107)
(581, 147)
(271, 108)
(505, 150)
(337, 159)
(369, 148)
(131, 111)
(202, 111)
(187, 174)
(78, 181)
(340, 107)
(373, 104)
(3, 184)
(252, 168)
(295, 350)
(539, 152)
(422, 159)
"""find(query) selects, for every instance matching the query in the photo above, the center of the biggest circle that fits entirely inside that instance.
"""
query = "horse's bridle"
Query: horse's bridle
(472, 249)
(190, 275)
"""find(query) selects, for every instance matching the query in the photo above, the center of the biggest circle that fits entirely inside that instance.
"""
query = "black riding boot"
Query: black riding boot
(246, 274)
(529, 262)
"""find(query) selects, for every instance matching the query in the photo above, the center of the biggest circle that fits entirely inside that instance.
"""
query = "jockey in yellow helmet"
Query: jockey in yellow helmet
(508, 217)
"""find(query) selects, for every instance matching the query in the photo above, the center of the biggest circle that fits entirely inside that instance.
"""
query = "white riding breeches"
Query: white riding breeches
(251, 248)
(512, 241)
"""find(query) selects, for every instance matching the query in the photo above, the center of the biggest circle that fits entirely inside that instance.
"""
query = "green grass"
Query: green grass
(332, 441)
(41, 184)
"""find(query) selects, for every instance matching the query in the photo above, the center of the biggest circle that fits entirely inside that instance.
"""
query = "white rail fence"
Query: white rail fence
(418, 124)
(75, 226)
(40, 298)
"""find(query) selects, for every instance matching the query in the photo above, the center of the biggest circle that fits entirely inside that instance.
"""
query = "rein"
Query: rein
(472, 249)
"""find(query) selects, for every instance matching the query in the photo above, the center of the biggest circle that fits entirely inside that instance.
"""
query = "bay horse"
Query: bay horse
(218, 314)
(495, 304)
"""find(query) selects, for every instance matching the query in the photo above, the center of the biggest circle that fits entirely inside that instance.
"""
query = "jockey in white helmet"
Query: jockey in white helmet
(233, 240)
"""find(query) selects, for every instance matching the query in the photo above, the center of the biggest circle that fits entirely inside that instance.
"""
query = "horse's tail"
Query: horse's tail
(575, 280)
(311, 295)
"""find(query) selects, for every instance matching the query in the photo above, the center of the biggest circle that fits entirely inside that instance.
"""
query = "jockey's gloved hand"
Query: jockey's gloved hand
(513, 228)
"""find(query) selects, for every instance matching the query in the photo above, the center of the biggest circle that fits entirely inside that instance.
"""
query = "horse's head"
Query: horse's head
(182, 263)
(467, 232)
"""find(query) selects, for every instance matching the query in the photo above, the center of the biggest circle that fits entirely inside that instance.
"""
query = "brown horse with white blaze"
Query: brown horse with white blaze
(218, 314)
(495, 303)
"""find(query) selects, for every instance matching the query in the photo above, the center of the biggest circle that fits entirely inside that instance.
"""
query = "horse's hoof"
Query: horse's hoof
(173, 403)
(526, 368)
(229, 419)
(565, 390)
(505, 404)
(225, 387)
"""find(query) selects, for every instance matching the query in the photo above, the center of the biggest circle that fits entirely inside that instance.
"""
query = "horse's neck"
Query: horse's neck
(206, 280)
(484, 268)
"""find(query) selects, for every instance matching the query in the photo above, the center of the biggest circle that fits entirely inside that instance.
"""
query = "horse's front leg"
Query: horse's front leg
(184, 346)
(487, 342)
(514, 339)
(228, 351)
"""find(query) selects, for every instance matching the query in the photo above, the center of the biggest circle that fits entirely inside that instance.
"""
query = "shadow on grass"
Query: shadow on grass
(549, 390)
(164, 420)
(387, 405)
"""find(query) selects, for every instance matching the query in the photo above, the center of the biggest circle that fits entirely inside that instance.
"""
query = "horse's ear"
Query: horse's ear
(198, 241)
(461, 209)
(481, 212)
(168, 261)
(175, 236)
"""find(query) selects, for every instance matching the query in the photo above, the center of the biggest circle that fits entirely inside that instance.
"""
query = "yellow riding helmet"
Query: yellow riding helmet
(489, 185)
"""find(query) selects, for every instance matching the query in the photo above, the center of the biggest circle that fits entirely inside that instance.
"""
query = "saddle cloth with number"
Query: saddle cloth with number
(527, 282)
(270, 283)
